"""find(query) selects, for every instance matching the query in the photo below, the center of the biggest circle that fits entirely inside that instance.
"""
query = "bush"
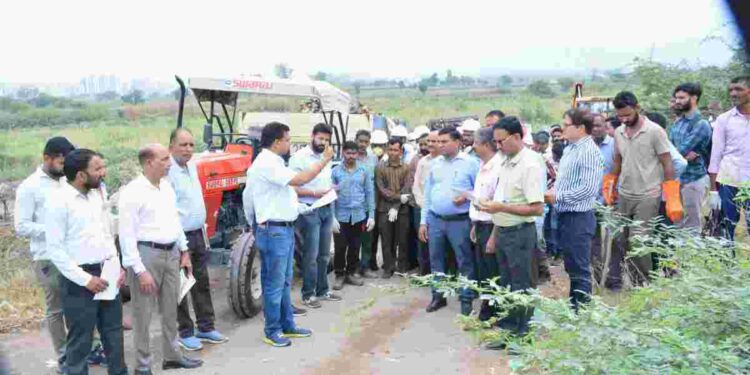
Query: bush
(695, 322)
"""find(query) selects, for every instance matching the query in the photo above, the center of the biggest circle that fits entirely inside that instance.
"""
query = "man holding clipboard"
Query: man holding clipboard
(80, 245)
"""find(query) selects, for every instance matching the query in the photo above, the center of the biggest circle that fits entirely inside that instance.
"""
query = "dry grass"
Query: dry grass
(21, 299)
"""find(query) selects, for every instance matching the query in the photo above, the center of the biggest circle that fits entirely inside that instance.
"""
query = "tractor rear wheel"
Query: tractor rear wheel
(245, 293)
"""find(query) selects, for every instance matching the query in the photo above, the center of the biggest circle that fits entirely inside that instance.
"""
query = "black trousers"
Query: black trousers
(200, 293)
(395, 241)
(514, 248)
(346, 246)
(83, 314)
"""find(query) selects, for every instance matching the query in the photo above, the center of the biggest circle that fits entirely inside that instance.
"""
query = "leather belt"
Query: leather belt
(457, 217)
(278, 224)
(156, 245)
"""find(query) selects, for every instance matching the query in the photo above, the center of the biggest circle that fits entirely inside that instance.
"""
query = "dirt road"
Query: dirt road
(373, 331)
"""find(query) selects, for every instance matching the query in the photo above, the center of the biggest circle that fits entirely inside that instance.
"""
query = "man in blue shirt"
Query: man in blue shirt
(574, 195)
(354, 211)
(607, 148)
(187, 187)
(315, 225)
(445, 217)
(271, 205)
(368, 263)
(691, 135)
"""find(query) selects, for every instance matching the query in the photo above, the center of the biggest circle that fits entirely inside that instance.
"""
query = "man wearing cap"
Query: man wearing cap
(271, 207)
(154, 250)
(467, 129)
(31, 198)
(80, 244)
(187, 187)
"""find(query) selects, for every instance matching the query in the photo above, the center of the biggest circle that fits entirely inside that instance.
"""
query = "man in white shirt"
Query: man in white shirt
(481, 222)
(154, 249)
(316, 226)
(271, 206)
(187, 187)
(420, 177)
(79, 243)
(31, 197)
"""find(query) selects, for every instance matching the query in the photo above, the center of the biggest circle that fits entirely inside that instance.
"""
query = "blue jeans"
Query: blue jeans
(453, 233)
(551, 230)
(315, 228)
(575, 245)
(732, 209)
(276, 246)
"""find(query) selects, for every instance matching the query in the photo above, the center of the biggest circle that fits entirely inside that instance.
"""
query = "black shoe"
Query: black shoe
(297, 312)
(496, 345)
(142, 372)
(386, 274)
(184, 362)
(436, 304)
(466, 308)
(485, 312)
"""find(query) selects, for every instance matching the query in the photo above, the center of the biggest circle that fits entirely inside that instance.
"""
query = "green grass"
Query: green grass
(118, 141)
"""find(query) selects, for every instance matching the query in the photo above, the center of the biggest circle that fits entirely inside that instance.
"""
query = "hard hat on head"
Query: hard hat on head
(379, 137)
(412, 137)
(399, 131)
(421, 131)
(469, 125)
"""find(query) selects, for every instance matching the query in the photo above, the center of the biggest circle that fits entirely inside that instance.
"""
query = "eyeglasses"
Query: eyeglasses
(500, 141)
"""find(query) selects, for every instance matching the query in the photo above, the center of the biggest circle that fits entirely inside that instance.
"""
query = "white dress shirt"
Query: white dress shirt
(147, 213)
(29, 210)
(303, 160)
(267, 194)
(485, 185)
(78, 232)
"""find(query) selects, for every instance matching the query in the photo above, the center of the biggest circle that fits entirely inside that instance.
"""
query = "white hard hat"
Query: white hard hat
(379, 137)
(470, 125)
(412, 136)
(420, 131)
(399, 131)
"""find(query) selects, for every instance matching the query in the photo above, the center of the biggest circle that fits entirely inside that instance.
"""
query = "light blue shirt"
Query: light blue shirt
(303, 160)
(607, 148)
(187, 188)
(356, 194)
(446, 180)
(268, 195)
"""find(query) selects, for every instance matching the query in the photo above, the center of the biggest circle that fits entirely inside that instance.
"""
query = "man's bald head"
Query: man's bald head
(154, 158)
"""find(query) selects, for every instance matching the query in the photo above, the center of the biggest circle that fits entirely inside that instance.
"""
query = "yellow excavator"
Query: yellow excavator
(595, 104)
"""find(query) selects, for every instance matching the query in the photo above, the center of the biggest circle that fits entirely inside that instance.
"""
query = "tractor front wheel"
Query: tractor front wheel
(245, 293)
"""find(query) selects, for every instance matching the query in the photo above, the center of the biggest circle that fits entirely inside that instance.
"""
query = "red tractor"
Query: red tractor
(222, 168)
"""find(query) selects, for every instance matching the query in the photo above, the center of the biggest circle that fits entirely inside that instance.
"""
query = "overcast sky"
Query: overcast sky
(56, 41)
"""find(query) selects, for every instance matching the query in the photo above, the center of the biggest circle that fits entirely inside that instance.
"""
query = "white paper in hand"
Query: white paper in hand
(186, 282)
(110, 273)
(328, 198)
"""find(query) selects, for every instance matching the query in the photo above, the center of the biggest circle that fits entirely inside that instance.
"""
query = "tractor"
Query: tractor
(595, 104)
(222, 168)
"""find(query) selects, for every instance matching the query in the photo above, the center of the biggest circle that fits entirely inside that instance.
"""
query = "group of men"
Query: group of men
(65, 211)
(478, 199)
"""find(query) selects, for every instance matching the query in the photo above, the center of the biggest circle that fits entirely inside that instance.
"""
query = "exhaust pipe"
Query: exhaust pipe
(181, 105)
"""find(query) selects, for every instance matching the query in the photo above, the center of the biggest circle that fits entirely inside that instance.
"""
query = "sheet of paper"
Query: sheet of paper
(324, 200)
(186, 282)
(110, 273)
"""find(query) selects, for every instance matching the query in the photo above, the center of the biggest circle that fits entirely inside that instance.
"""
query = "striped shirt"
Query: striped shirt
(579, 176)
(391, 180)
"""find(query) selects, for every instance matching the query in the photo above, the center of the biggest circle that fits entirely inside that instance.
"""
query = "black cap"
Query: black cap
(58, 146)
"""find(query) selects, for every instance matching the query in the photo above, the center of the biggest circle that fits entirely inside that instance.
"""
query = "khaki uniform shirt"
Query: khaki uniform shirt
(520, 183)
(641, 174)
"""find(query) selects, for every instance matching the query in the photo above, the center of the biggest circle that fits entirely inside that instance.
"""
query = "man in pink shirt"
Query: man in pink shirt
(730, 155)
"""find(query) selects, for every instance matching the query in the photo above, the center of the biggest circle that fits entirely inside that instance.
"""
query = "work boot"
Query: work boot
(436, 304)
(368, 274)
(353, 279)
(338, 283)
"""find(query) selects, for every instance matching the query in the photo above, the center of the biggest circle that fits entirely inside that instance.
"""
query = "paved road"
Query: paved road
(373, 331)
